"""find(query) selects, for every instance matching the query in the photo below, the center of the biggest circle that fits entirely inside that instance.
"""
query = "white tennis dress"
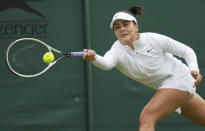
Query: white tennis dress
(152, 62)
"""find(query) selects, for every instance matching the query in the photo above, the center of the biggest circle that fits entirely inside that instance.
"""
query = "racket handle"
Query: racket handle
(76, 54)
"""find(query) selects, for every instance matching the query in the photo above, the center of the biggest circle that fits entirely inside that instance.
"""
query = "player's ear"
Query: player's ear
(137, 29)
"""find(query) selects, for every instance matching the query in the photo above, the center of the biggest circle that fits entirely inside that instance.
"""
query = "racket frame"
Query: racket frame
(66, 55)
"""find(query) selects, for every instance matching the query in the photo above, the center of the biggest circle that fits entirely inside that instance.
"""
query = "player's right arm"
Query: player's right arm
(106, 62)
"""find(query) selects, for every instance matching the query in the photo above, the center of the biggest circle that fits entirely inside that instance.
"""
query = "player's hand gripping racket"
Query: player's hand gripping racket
(24, 57)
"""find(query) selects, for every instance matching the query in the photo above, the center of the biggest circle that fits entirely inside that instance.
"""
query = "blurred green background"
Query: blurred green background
(74, 95)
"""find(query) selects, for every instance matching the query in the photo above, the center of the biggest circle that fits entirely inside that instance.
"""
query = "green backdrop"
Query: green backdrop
(74, 95)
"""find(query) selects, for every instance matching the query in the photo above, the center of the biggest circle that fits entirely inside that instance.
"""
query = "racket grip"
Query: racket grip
(76, 54)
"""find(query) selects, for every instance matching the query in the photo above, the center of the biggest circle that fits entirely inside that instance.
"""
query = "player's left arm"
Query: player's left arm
(179, 49)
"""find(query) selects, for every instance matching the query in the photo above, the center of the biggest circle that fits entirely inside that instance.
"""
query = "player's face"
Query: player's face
(125, 31)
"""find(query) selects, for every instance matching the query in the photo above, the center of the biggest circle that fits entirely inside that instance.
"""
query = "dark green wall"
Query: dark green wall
(75, 96)
(56, 100)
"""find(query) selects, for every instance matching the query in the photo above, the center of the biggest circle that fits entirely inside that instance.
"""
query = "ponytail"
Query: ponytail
(135, 11)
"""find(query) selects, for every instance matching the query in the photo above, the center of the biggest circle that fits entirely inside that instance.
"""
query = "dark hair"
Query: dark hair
(135, 11)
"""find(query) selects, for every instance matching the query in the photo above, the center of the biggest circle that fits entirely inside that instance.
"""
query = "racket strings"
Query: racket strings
(25, 57)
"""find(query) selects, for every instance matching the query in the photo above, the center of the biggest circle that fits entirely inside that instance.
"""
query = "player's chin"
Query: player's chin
(124, 41)
(125, 38)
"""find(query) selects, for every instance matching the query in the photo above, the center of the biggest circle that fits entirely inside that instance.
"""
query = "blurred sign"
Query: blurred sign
(19, 26)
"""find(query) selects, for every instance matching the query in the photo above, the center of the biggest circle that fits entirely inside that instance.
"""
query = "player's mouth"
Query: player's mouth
(124, 35)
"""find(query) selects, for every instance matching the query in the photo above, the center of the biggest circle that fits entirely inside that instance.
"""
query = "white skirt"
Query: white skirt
(182, 81)
(185, 83)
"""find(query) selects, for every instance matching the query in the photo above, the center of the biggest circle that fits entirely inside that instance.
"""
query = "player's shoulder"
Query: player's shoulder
(151, 35)
(116, 45)
(155, 37)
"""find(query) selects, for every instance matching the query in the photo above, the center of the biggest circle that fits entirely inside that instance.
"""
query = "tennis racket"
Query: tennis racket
(24, 57)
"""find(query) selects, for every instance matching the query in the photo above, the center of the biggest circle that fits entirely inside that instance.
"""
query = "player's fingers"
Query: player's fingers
(85, 50)
(194, 74)
(89, 55)
(92, 54)
(86, 56)
(198, 79)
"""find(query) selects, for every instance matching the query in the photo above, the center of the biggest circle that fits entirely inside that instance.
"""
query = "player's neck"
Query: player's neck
(130, 44)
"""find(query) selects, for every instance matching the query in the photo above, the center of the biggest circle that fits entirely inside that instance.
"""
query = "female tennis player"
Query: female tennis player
(149, 58)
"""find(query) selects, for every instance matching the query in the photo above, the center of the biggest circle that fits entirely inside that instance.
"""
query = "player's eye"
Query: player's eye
(116, 27)
(126, 24)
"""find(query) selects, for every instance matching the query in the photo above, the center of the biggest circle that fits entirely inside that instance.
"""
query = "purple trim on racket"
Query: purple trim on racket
(76, 54)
